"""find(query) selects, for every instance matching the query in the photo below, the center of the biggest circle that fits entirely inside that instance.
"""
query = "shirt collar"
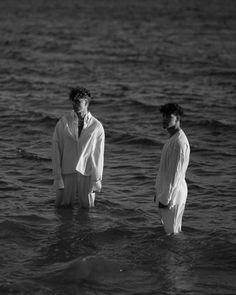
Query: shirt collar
(86, 118)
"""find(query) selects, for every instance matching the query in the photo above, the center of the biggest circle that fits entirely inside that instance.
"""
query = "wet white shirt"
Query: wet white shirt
(84, 154)
(170, 183)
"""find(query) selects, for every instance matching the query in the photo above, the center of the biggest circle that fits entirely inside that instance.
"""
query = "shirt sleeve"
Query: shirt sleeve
(98, 160)
(177, 170)
(56, 158)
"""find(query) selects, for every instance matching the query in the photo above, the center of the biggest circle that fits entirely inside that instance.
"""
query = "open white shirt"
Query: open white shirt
(84, 154)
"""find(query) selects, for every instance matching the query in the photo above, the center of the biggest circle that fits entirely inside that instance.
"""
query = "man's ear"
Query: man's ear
(178, 117)
(87, 102)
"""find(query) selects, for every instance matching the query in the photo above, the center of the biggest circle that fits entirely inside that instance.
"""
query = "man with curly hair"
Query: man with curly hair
(171, 187)
(78, 153)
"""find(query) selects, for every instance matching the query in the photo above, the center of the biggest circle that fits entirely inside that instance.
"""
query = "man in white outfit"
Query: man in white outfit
(78, 153)
(171, 187)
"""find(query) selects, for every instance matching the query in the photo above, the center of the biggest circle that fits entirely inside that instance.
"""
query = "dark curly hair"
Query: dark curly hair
(79, 92)
(172, 108)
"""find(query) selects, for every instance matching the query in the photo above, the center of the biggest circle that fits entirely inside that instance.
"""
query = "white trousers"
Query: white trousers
(172, 218)
(76, 186)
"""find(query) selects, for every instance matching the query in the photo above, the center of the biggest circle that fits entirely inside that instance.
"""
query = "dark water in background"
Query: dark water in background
(133, 56)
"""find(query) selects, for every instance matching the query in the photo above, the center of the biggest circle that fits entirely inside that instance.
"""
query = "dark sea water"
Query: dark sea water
(133, 56)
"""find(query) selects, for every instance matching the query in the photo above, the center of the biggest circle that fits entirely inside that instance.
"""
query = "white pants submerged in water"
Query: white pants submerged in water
(172, 218)
(77, 186)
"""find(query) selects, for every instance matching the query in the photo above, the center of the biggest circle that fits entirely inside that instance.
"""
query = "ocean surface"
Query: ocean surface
(133, 56)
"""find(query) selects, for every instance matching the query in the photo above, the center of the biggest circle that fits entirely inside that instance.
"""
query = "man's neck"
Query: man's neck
(173, 130)
(81, 115)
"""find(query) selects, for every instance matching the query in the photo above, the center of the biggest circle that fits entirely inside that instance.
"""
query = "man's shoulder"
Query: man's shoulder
(96, 122)
(182, 138)
(65, 118)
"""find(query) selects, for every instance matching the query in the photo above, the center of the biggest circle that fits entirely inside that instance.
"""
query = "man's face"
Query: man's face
(169, 121)
(80, 105)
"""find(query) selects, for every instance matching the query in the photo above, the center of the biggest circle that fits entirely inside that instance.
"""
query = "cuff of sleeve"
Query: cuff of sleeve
(164, 201)
(96, 185)
(58, 183)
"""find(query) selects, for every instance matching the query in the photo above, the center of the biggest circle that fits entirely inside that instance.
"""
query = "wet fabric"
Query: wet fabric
(84, 153)
(77, 187)
(171, 187)
(172, 218)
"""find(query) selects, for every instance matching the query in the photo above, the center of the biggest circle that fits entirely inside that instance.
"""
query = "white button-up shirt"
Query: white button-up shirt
(84, 154)
(171, 186)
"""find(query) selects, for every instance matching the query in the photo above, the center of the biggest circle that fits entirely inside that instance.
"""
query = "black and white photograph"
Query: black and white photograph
(118, 147)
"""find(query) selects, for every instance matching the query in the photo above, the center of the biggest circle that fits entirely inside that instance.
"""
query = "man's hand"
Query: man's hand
(58, 184)
(96, 186)
(162, 206)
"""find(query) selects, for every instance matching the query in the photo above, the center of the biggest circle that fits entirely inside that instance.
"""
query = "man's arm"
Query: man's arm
(56, 158)
(177, 169)
(98, 161)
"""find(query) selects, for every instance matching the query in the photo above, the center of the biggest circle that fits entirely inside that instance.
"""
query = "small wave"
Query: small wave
(112, 234)
(38, 117)
(210, 254)
(32, 219)
(125, 137)
(13, 229)
(211, 123)
(226, 73)
(24, 116)
(90, 268)
(5, 185)
(144, 104)
(24, 229)
(31, 156)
